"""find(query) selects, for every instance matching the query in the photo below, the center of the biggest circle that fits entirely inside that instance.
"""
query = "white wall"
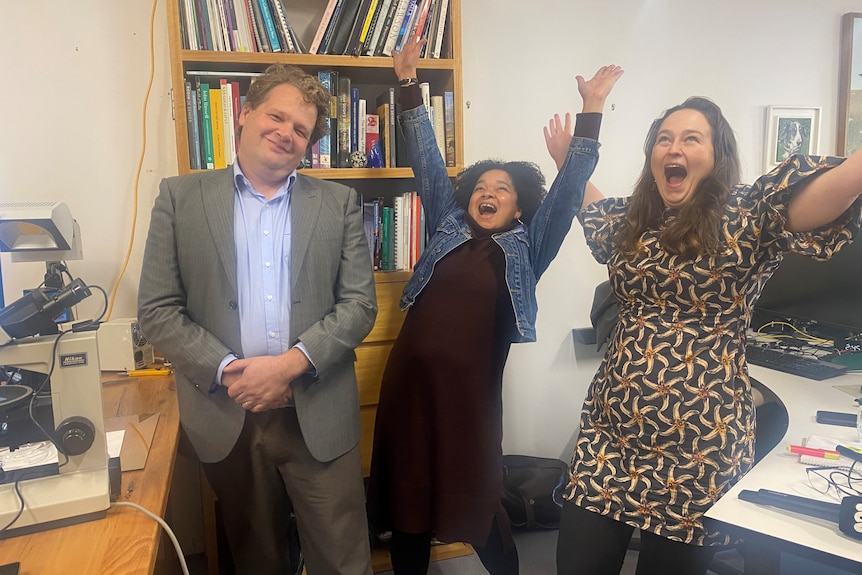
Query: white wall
(76, 74)
(519, 68)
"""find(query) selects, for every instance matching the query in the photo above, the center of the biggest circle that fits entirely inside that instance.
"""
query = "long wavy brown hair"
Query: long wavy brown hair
(696, 230)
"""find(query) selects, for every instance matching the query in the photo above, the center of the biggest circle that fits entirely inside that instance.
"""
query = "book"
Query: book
(422, 15)
(206, 126)
(260, 36)
(189, 25)
(269, 25)
(215, 24)
(372, 131)
(395, 27)
(324, 143)
(441, 27)
(280, 18)
(245, 39)
(406, 25)
(343, 122)
(230, 25)
(227, 121)
(321, 27)
(364, 28)
(361, 122)
(236, 102)
(330, 28)
(352, 44)
(425, 91)
(341, 35)
(388, 97)
(354, 119)
(190, 123)
(217, 122)
(438, 121)
(449, 126)
(383, 128)
(383, 35)
(203, 25)
(199, 125)
(224, 31)
(386, 240)
(376, 27)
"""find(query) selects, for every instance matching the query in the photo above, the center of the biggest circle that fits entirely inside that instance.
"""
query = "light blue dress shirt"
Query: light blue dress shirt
(262, 238)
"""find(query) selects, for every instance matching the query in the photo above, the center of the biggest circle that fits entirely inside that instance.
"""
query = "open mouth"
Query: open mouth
(674, 174)
(486, 209)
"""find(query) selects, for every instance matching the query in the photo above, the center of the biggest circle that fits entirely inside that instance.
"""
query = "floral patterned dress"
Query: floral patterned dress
(667, 426)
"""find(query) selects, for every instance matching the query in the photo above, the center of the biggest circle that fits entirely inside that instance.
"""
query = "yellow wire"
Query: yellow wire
(808, 337)
(140, 166)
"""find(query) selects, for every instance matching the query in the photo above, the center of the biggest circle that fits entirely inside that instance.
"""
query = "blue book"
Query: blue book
(269, 24)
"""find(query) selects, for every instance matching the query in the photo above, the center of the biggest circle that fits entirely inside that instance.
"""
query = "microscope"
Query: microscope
(50, 390)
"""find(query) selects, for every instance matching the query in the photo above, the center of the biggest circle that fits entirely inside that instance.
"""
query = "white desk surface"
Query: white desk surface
(781, 471)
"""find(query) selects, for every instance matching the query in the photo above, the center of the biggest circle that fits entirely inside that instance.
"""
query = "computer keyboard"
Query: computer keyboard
(791, 362)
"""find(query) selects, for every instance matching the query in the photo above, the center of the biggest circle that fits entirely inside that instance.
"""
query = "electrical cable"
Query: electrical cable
(17, 488)
(807, 336)
(164, 525)
(128, 255)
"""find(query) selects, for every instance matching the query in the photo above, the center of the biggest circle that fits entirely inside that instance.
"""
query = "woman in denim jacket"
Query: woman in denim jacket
(437, 461)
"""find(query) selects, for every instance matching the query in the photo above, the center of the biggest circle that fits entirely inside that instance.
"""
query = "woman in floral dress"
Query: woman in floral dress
(667, 426)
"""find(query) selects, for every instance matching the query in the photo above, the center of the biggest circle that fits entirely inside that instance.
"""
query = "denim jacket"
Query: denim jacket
(529, 250)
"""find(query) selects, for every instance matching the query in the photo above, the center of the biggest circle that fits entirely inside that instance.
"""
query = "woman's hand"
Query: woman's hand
(595, 90)
(407, 59)
(558, 136)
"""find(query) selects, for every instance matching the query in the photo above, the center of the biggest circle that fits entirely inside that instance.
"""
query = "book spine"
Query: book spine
(354, 119)
(196, 162)
(360, 119)
(425, 90)
(269, 24)
(439, 123)
(243, 36)
(419, 26)
(372, 131)
(366, 26)
(190, 122)
(330, 28)
(449, 126)
(406, 25)
(218, 127)
(386, 240)
(441, 27)
(376, 27)
(321, 27)
(187, 20)
(395, 27)
(325, 80)
(384, 32)
(206, 126)
(202, 155)
(343, 122)
(281, 20)
(236, 103)
(227, 120)
(223, 27)
(229, 23)
(203, 25)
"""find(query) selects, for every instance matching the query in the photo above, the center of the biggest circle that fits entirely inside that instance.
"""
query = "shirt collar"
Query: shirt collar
(243, 185)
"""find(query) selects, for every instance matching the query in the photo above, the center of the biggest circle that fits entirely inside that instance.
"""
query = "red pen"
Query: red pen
(813, 452)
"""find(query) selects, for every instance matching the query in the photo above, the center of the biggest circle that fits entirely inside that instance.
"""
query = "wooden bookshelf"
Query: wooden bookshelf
(372, 75)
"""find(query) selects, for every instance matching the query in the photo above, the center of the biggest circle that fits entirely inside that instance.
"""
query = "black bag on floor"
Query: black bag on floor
(532, 489)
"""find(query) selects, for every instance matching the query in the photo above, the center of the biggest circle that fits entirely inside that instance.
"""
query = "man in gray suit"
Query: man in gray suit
(257, 285)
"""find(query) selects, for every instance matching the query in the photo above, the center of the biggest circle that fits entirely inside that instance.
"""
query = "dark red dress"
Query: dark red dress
(437, 444)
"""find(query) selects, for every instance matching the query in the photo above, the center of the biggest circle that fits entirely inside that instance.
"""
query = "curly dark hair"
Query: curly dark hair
(526, 177)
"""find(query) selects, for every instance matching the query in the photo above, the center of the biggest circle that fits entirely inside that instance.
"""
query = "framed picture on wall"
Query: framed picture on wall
(790, 130)
(850, 85)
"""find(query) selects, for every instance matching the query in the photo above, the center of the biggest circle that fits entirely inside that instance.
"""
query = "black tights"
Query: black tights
(595, 544)
(411, 552)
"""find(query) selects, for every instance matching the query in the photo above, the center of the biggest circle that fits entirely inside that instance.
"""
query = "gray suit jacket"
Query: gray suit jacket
(187, 305)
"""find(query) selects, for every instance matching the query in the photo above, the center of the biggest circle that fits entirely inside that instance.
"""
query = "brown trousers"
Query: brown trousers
(270, 473)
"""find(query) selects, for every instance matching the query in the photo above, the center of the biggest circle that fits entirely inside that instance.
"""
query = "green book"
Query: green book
(206, 124)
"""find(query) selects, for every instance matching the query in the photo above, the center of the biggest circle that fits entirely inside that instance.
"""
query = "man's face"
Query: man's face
(275, 135)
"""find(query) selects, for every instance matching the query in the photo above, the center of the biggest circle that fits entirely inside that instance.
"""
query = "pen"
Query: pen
(143, 372)
(822, 453)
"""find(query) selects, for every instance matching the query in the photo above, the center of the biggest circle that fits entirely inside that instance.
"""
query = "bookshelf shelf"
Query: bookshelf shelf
(372, 75)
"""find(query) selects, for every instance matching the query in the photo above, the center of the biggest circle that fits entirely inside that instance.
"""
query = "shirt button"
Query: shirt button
(267, 264)
(272, 334)
(269, 298)
(232, 305)
(266, 232)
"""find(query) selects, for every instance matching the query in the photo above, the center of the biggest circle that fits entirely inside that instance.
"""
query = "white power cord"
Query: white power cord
(164, 525)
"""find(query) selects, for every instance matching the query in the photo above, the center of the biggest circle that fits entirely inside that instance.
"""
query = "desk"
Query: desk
(126, 541)
(780, 471)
